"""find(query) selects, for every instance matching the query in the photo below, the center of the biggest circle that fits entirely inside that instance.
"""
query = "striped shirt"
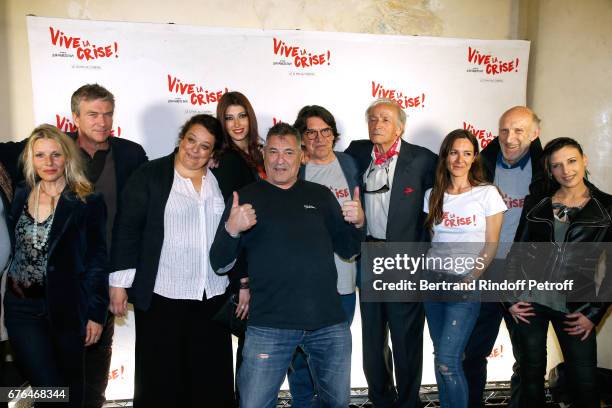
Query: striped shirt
(190, 222)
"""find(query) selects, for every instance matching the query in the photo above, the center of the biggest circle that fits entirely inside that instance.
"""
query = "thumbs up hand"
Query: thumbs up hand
(241, 218)
(353, 211)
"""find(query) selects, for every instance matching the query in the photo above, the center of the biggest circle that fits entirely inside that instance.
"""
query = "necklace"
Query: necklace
(566, 212)
(49, 221)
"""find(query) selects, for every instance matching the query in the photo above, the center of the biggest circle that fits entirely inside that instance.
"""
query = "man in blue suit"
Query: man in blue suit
(395, 176)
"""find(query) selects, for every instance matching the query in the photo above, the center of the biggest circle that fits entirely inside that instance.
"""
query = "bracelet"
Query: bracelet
(244, 285)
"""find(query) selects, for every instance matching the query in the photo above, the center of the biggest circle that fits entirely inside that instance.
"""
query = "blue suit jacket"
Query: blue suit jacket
(414, 174)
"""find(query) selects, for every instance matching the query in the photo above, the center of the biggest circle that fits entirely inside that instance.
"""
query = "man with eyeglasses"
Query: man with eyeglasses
(395, 175)
(338, 172)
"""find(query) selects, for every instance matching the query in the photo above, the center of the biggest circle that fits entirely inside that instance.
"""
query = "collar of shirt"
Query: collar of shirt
(189, 188)
(501, 162)
(94, 165)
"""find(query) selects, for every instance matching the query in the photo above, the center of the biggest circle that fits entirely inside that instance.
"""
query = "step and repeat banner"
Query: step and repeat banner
(161, 74)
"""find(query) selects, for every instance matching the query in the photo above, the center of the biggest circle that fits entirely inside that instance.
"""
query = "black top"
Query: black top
(232, 174)
(29, 265)
(290, 254)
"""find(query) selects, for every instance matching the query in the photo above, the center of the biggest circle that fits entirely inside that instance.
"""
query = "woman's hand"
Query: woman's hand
(579, 325)
(93, 333)
(118, 301)
(242, 310)
(521, 311)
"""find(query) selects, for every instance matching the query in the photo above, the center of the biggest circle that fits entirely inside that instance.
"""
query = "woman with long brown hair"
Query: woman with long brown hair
(239, 163)
(468, 212)
(240, 135)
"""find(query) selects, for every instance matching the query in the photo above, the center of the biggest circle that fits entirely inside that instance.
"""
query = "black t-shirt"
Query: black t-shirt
(290, 254)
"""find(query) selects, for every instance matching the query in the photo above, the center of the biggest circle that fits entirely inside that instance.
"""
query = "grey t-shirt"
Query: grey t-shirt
(331, 175)
(514, 185)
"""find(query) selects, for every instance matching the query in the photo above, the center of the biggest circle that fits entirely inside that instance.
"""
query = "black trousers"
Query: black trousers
(48, 357)
(183, 358)
(479, 347)
(405, 323)
(482, 340)
(580, 360)
(97, 365)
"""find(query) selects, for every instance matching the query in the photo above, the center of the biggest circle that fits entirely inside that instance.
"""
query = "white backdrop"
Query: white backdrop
(161, 74)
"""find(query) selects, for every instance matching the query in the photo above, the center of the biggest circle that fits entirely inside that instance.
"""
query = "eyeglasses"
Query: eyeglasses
(311, 134)
(371, 187)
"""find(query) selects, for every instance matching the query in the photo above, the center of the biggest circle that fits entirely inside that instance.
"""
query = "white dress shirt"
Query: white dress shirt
(190, 223)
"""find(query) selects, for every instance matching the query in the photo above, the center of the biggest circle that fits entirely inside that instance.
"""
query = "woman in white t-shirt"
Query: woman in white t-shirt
(466, 211)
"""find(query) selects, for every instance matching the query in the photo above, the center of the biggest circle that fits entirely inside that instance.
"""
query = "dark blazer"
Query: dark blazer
(128, 156)
(138, 235)
(9, 156)
(77, 261)
(414, 174)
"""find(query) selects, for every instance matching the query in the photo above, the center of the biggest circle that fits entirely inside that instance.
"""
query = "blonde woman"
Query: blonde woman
(57, 288)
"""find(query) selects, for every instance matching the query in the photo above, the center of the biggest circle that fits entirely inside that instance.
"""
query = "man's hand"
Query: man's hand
(241, 218)
(353, 211)
(93, 333)
(118, 301)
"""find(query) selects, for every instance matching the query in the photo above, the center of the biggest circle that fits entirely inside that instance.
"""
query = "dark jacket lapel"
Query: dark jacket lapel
(64, 212)
(400, 180)
(121, 160)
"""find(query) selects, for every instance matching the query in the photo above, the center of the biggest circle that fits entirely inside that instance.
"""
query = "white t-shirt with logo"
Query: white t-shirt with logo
(464, 220)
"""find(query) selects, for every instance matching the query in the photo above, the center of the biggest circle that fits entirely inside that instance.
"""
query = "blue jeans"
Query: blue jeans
(301, 384)
(450, 326)
(268, 352)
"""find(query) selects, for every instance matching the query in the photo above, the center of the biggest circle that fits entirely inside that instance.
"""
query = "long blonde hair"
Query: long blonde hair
(73, 168)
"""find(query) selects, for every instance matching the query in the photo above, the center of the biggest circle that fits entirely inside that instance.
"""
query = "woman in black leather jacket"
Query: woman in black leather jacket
(564, 227)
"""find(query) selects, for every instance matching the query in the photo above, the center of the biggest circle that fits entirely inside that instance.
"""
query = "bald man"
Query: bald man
(512, 162)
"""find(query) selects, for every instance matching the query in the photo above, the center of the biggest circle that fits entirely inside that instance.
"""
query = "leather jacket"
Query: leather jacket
(578, 257)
